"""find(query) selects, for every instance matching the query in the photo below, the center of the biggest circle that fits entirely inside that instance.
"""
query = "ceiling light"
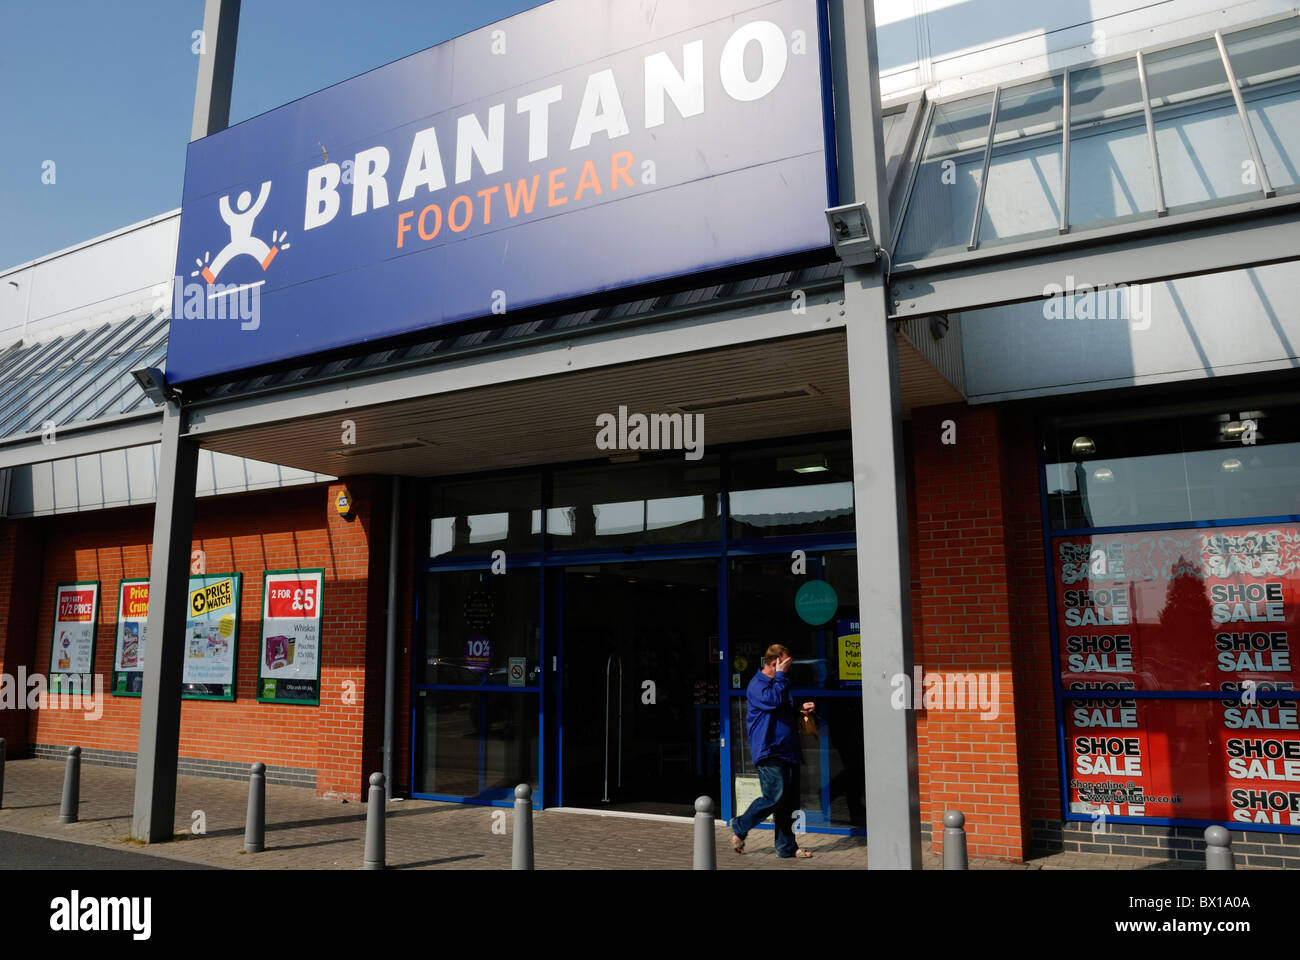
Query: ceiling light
(809, 463)
(1083, 447)
(1103, 475)
(739, 399)
(388, 446)
(1231, 465)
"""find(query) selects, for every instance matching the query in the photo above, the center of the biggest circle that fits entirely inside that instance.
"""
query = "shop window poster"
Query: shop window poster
(289, 658)
(211, 637)
(1207, 618)
(72, 652)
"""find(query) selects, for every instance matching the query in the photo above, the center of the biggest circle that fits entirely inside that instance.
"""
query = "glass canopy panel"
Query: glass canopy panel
(942, 207)
(1110, 158)
(1023, 197)
(1266, 61)
(1202, 146)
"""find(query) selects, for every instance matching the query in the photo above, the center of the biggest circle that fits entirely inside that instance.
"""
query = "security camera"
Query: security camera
(153, 383)
(851, 233)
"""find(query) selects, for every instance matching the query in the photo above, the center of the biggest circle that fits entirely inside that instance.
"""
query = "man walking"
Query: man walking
(773, 725)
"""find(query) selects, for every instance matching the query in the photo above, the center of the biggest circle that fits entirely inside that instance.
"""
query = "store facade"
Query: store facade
(1096, 566)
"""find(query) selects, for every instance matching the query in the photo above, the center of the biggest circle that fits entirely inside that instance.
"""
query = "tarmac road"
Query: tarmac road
(19, 851)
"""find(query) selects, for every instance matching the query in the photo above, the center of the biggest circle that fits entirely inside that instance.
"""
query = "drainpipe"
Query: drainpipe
(390, 654)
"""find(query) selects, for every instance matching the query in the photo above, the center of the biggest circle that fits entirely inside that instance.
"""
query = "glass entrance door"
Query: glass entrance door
(640, 725)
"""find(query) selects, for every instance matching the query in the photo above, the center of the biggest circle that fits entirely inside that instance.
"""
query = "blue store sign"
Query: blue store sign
(582, 146)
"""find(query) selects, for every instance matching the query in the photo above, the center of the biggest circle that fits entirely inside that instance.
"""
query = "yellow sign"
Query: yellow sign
(227, 625)
(343, 502)
(214, 597)
(851, 657)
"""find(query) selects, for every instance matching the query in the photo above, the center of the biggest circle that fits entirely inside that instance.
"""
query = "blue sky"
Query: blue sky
(105, 90)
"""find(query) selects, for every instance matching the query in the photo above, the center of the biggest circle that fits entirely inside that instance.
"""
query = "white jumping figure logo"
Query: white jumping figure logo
(240, 220)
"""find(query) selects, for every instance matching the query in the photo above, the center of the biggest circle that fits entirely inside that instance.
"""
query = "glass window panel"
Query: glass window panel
(474, 622)
(1202, 147)
(475, 744)
(1266, 61)
(479, 516)
(660, 501)
(1023, 197)
(1110, 159)
(942, 207)
(792, 490)
(832, 783)
(1176, 469)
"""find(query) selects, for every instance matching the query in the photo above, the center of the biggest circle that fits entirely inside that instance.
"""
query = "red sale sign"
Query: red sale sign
(291, 599)
(77, 606)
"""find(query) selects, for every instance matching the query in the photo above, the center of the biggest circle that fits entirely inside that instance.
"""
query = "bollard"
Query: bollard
(1218, 849)
(522, 856)
(376, 857)
(706, 839)
(255, 820)
(71, 787)
(954, 840)
(2, 773)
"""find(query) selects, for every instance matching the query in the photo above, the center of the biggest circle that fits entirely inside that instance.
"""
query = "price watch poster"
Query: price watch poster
(211, 637)
(76, 615)
(289, 658)
(1191, 612)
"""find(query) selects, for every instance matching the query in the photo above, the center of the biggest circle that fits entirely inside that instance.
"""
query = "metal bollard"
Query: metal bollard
(376, 856)
(522, 851)
(255, 819)
(1218, 849)
(71, 787)
(706, 839)
(954, 841)
(2, 773)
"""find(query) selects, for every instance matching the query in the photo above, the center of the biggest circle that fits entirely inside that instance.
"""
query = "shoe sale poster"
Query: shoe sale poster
(289, 660)
(211, 637)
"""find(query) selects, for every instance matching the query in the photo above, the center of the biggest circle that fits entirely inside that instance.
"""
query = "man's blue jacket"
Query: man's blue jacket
(772, 720)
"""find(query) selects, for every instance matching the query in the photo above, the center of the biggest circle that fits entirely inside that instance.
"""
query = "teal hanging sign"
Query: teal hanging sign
(816, 602)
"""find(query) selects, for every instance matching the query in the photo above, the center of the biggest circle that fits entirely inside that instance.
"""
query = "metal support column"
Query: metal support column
(879, 492)
(160, 700)
(173, 523)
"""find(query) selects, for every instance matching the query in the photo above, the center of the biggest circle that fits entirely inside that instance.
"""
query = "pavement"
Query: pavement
(306, 832)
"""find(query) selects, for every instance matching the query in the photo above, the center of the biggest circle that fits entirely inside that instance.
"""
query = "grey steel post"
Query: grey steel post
(893, 799)
(954, 841)
(71, 787)
(522, 850)
(2, 773)
(376, 855)
(255, 820)
(706, 839)
(390, 643)
(160, 701)
(1218, 849)
(216, 68)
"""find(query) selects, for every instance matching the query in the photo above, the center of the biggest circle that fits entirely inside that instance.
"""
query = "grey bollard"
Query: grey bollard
(376, 857)
(2, 773)
(255, 819)
(954, 841)
(522, 851)
(706, 839)
(1218, 849)
(71, 787)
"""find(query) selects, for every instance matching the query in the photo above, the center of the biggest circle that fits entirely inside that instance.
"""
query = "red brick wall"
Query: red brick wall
(20, 564)
(966, 598)
(248, 533)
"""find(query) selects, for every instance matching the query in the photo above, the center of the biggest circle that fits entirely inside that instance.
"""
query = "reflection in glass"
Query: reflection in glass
(942, 206)
(1266, 61)
(797, 489)
(477, 745)
(1024, 190)
(1111, 180)
(479, 516)
(474, 622)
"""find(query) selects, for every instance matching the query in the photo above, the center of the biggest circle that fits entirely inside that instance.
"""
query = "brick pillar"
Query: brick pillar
(20, 570)
(969, 762)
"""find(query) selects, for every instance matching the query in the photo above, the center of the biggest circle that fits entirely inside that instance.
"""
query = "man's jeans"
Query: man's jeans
(779, 799)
